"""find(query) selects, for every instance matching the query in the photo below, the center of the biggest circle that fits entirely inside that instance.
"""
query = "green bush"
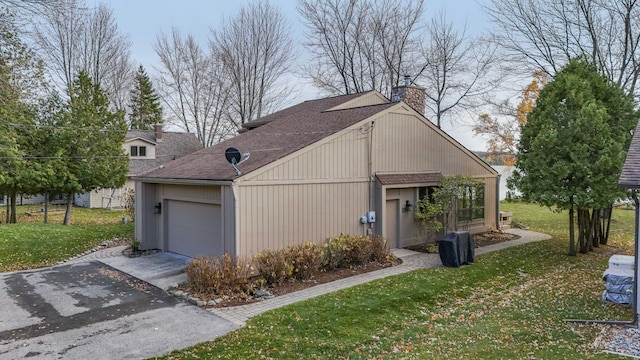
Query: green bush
(273, 266)
(223, 275)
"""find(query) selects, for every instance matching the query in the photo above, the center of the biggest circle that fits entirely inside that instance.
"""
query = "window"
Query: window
(471, 204)
(426, 191)
(138, 150)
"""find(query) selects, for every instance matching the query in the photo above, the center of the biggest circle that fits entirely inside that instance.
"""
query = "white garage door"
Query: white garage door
(194, 228)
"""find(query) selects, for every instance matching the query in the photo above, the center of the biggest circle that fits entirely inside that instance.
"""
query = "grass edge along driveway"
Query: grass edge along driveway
(30, 244)
(508, 305)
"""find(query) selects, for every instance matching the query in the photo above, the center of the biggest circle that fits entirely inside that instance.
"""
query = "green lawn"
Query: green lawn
(508, 305)
(31, 244)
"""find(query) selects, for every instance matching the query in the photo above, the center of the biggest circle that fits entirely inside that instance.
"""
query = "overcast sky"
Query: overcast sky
(143, 20)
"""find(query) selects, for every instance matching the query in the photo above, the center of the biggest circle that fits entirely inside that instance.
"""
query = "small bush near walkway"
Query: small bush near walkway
(346, 251)
(223, 275)
(229, 276)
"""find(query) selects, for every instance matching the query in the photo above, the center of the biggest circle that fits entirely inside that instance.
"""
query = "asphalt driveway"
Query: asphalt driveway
(91, 311)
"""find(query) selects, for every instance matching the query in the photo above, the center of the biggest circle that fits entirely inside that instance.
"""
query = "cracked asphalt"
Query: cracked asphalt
(90, 310)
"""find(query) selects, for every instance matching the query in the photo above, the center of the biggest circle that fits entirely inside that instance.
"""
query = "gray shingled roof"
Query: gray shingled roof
(398, 179)
(283, 133)
(174, 145)
(630, 176)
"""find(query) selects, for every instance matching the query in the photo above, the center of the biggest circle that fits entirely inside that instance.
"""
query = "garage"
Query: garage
(194, 228)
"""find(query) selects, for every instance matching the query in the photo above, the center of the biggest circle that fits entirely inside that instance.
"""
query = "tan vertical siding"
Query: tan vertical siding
(344, 157)
(370, 98)
(403, 143)
(271, 221)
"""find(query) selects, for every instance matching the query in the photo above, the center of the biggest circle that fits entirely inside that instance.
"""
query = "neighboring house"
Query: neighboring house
(505, 174)
(351, 164)
(147, 150)
(630, 179)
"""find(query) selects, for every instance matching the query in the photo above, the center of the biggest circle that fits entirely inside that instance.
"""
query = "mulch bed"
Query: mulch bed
(485, 239)
(492, 237)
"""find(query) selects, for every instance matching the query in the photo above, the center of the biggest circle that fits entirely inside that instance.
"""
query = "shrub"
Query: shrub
(305, 260)
(223, 275)
(335, 252)
(130, 203)
(346, 251)
(380, 250)
(273, 266)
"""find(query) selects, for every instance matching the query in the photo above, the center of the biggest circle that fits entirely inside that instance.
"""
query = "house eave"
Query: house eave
(141, 139)
(181, 181)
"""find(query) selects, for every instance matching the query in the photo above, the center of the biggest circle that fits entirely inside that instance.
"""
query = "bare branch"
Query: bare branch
(256, 51)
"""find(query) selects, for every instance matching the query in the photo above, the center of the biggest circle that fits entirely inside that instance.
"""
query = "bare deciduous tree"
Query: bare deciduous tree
(107, 56)
(256, 51)
(73, 38)
(545, 34)
(193, 87)
(457, 70)
(362, 45)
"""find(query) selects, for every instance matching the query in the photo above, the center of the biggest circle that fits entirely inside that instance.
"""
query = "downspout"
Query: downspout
(371, 181)
(634, 195)
(498, 201)
(236, 223)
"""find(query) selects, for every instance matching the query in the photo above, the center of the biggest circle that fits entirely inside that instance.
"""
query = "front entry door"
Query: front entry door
(391, 222)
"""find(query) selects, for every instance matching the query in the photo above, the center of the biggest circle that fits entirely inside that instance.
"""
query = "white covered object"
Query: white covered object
(622, 262)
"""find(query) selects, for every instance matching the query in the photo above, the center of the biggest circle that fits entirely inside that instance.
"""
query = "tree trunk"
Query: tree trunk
(8, 206)
(68, 209)
(572, 233)
(13, 218)
(584, 229)
(595, 229)
(606, 225)
(46, 208)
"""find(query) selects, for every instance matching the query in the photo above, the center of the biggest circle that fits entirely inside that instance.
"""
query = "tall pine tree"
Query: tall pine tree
(144, 104)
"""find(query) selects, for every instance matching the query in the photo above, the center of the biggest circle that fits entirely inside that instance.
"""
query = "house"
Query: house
(352, 164)
(146, 150)
(630, 179)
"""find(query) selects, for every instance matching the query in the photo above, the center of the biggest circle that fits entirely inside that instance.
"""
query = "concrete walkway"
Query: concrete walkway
(411, 260)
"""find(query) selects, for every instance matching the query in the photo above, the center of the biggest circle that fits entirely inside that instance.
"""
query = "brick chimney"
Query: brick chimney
(414, 96)
(158, 130)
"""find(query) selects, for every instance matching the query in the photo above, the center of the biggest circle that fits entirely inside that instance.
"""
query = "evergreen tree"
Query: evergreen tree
(21, 81)
(93, 137)
(573, 147)
(145, 104)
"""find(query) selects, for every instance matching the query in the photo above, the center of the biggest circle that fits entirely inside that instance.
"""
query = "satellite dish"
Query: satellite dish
(233, 155)
(235, 158)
